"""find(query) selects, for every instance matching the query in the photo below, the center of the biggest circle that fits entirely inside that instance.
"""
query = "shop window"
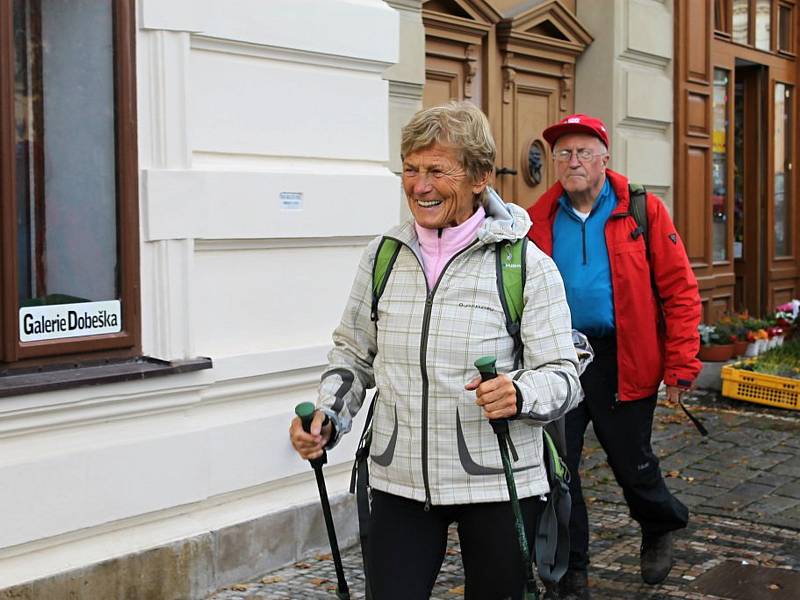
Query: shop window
(782, 176)
(69, 172)
(738, 169)
(719, 173)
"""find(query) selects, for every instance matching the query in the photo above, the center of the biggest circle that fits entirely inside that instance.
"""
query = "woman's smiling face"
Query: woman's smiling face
(439, 191)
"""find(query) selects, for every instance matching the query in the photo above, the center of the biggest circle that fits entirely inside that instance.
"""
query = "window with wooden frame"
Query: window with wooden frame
(767, 25)
(68, 182)
(740, 21)
(722, 21)
(786, 31)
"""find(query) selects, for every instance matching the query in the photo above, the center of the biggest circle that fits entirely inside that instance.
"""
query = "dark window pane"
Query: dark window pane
(720, 15)
(785, 29)
(66, 174)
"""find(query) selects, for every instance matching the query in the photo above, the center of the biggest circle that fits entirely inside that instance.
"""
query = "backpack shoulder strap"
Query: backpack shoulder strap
(638, 210)
(385, 257)
(510, 259)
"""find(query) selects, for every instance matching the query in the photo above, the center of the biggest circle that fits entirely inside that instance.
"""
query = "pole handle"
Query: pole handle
(305, 411)
(486, 366)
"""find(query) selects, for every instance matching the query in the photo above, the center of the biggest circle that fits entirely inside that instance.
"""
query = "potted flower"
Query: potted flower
(787, 316)
(716, 343)
(757, 336)
(738, 333)
(775, 333)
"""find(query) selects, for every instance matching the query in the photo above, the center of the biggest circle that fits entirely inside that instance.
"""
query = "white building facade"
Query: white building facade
(265, 134)
(266, 140)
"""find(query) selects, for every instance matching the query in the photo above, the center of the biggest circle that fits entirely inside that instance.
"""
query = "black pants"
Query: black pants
(624, 431)
(407, 545)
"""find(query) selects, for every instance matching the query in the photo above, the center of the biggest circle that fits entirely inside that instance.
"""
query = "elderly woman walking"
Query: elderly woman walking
(434, 458)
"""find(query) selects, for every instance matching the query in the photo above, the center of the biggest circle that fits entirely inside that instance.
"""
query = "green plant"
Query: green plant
(736, 323)
(705, 331)
(716, 335)
(783, 361)
(723, 334)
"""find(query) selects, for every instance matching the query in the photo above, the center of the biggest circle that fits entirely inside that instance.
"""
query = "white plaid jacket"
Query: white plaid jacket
(430, 442)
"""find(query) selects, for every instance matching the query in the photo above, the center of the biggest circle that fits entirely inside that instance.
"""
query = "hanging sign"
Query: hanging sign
(56, 321)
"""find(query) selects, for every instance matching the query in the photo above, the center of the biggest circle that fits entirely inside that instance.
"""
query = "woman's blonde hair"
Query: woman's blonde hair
(460, 125)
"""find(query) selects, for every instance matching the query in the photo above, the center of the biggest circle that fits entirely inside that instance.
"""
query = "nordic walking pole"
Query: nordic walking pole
(486, 367)
(305, 410)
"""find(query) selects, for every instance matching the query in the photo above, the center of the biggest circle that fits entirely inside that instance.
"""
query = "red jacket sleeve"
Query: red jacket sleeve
(680, 298)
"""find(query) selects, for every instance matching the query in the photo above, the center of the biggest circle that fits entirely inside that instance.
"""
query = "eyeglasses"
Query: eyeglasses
(583, 155)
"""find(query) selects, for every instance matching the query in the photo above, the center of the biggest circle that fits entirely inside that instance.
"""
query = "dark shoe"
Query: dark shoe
(574, 586)
(656, 557)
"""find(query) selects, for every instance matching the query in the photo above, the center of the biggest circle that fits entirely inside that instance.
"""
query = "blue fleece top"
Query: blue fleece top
(580, 252)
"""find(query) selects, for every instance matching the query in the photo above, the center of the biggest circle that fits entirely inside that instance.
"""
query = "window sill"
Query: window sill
(16, 383)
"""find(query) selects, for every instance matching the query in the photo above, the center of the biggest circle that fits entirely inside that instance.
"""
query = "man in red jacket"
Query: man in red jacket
(640, 339)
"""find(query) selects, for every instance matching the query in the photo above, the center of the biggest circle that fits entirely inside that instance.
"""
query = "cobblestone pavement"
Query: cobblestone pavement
(741, 483)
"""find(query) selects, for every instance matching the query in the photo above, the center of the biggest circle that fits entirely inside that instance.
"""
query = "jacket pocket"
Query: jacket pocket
(488, 461)
(382, 431)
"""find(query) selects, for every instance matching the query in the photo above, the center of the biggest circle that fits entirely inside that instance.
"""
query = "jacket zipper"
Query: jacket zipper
(423, 350)
(583, 240)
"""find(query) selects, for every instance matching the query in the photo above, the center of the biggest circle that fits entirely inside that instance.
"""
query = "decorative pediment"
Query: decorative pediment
(479, 11)
(544, 23)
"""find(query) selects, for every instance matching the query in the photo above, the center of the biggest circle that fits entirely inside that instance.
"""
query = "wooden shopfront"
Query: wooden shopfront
(736, 149)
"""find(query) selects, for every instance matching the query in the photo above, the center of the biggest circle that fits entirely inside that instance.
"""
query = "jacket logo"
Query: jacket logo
(481, 306)
(674, 238)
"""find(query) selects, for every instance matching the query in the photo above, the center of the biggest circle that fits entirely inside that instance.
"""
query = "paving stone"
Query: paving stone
(773, 479)
(740, 496)
(689, 500)
(767, 461)
(784, 469)
(789, 489)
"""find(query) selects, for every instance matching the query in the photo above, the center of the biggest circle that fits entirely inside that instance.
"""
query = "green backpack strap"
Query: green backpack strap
(552, 537)
(388, 250)
(385, 257)
(510, 258)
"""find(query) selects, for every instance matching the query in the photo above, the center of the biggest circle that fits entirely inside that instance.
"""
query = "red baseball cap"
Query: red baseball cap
(576, 124)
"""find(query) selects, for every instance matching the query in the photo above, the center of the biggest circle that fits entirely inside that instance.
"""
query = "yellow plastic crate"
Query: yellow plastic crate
(771, 390)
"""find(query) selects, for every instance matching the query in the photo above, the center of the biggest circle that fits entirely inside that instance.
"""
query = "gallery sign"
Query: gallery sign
(57, 321)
